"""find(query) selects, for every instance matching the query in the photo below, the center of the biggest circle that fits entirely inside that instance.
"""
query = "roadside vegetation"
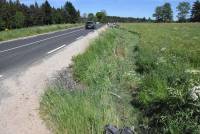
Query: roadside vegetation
(107, 71)
(141, 75)
(168, 60)
(24, 32)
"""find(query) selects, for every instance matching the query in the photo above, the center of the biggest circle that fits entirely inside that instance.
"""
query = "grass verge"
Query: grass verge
(168, 61)
(161, 60)
(24, 32)
(107, 70)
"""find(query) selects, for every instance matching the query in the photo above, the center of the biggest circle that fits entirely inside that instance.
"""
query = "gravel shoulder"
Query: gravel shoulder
(19, 107)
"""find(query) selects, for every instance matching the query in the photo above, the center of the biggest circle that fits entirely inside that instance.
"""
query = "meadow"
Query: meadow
(139, 76)
(168, 60)
(30, 31)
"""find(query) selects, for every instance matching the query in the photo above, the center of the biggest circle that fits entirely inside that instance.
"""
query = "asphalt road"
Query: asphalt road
(18, 54)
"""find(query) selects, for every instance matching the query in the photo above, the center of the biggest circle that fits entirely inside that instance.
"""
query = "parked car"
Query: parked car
(90, 25)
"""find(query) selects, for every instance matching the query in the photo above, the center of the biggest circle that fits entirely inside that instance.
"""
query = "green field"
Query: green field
(139, 75)
(24, 32)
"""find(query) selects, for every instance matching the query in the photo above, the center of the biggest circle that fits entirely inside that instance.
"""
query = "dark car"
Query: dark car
(90, 25)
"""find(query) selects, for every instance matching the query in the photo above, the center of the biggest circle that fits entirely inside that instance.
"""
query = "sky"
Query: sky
(123, 8)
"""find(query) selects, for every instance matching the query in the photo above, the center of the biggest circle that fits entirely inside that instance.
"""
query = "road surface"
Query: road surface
(18, 54)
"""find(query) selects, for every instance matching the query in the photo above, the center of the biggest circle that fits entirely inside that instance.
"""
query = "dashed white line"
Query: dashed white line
(39, 41)
(79, 37)
(56, 49)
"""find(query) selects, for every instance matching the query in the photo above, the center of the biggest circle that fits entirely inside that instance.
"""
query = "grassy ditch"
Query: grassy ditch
(153, 66)
(168, 61)
(107, 71)
(24, 32)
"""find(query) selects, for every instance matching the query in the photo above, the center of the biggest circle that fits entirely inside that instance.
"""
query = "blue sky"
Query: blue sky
(129, 8)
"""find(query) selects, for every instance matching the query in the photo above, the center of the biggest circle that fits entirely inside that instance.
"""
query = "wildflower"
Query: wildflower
(161, 60)
(195, 93)
(163, 49)
(192, 71)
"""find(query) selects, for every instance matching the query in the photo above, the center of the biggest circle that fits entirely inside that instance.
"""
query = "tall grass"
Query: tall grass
(164, 57)
(23, 32)
(165, 53)
(107, 70)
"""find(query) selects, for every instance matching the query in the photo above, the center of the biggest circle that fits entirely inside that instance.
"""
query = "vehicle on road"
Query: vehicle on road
(90, 25)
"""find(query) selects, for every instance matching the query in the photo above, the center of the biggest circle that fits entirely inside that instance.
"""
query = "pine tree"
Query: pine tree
(14, 14)
(47, 13)
(71, 15)
(19, 20)
(195, 14)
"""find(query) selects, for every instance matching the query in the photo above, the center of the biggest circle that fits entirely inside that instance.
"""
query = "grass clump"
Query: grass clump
(164, 54)
(24, 32)
(107, 70)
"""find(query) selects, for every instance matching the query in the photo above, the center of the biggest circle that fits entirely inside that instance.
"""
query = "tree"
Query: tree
(57, 16)
(158, 14)
(47, 13)
(71, 14)
(2, 24)
(101, 17)
(19, 20)
(195, 15)
(183, 11)
(167, 13)
(14, 14)
(90, 17)
(163, 13)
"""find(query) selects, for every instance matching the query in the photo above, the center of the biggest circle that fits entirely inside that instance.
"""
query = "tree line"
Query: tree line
(14, 14)
(98, 17)
(186, 12)
(104, 18)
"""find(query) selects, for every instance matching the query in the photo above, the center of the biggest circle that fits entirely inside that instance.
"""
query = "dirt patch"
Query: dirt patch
(65, 80)
(19, 113)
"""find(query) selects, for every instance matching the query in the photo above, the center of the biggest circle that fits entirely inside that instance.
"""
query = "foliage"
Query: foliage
(183, 11)
(47, 13)
(107, 71)
(101, 16)
(19, 20)
(127, 19)
(164, 13)
(13, 14)
(195, 17)
(71, 15)
(91, 17)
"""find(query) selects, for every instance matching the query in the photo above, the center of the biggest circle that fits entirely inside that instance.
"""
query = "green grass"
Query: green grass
(107, 68)
(150, 60)
(23, 32)
(165, 53)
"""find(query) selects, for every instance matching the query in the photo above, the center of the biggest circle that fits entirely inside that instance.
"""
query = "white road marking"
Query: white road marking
(79, 37)
(39, 41)
(56, 49)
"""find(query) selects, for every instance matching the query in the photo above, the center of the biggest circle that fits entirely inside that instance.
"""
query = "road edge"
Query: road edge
(36, 35)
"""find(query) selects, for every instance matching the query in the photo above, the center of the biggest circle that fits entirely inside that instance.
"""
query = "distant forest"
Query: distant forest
(14, 14)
